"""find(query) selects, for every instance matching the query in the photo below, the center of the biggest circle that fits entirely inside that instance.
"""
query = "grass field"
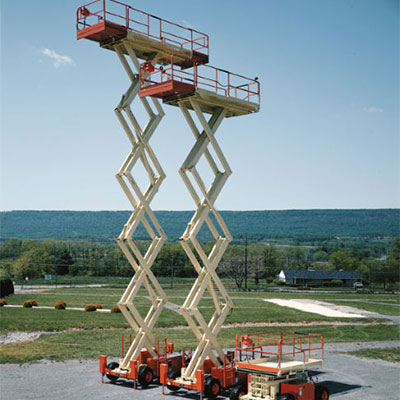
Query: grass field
(246, 310)
(90, 343)
(385, 309)
(81, 335)
(392, 354)
(183, 291)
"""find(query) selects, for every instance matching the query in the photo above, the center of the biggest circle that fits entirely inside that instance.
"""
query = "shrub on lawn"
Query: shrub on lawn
(60, 305)
(334, 283)
(98, 307)
(3, 302)
(6, 286)
(30, 303)
(90, 307)
(115, 309)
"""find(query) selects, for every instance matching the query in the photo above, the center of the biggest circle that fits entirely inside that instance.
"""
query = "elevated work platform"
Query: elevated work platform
(211, 87)
(110, 21)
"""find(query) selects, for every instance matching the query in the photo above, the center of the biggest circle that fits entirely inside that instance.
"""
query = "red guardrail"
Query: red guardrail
(219, 81)
(282, 343)
(141, 22)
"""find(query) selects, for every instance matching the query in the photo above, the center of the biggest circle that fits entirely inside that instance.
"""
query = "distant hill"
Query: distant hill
(259, 225)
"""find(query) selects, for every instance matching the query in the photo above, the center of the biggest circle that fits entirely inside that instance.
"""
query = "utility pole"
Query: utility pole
(245, 261)
(172, 275)
(172, 272)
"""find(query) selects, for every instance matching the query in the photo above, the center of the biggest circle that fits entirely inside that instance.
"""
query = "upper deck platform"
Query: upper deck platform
(110, 21)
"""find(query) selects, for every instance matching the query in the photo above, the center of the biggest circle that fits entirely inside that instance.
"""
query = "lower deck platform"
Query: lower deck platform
(209, 102)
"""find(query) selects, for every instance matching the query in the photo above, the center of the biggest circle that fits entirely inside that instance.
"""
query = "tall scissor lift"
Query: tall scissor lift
(133, 34)
(199, 91)
(269, 365)
(174, 70)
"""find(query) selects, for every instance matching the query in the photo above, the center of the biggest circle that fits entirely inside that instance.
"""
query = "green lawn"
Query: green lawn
(183, 292)
(392, 354)
(34, 319)
(384, 309)
(81, 335)
(91, 343)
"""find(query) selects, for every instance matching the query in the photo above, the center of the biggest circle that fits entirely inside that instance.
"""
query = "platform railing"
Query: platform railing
(141, 22)
(255, 346)
(214, 79)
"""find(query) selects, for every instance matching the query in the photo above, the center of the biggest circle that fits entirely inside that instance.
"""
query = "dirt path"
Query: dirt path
(320, 307)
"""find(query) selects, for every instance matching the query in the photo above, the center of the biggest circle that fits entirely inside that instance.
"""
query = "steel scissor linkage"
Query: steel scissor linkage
(142, 214)
(205, 264)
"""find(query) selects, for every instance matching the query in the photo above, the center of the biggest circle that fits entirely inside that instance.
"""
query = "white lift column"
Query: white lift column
(208, 280)
(141, 152)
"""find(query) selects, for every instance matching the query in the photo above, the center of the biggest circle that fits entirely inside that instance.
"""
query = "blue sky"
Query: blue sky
(327, 135)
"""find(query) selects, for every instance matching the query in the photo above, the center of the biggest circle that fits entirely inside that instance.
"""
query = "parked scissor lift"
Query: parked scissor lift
(146, 369)
(136, 35)
(268, 366)
(278, 365)
(211, 380)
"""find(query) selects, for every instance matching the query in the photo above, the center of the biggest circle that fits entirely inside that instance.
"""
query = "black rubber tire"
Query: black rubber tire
(212, 387)
(145, 376)
(173, 375)
(237, 391)
(321, 392)
(288, 396)
(112, 365)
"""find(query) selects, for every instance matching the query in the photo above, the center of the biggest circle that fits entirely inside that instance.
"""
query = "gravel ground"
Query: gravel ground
(346, 376)
(15, 337)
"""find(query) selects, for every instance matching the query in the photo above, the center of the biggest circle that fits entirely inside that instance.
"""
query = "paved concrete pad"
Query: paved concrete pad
(347, 377)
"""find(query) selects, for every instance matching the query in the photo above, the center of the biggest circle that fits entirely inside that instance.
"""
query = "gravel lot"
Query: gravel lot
(347, 377)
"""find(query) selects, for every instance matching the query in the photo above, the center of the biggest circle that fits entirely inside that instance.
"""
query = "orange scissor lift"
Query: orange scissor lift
(275, 365)
(174, 71)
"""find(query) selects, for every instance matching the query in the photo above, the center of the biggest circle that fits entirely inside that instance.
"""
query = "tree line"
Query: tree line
(377, 261)
(293, 226)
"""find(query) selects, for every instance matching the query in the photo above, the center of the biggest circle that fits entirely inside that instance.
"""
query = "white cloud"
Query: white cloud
(373, 109)
(58, 59)
(187, 24)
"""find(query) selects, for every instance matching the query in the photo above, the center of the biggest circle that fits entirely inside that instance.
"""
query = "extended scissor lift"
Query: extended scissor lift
(133, 34)
(175, 73)
(203, 90)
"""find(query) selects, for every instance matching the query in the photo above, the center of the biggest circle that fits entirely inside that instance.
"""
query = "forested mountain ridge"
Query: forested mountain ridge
(259, 225)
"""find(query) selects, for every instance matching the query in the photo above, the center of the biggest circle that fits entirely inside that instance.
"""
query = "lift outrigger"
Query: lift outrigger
(173, 70)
